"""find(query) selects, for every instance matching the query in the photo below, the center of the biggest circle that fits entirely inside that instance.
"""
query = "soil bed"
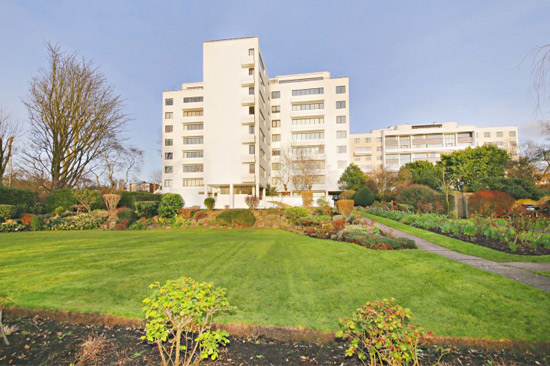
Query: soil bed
(39, 341)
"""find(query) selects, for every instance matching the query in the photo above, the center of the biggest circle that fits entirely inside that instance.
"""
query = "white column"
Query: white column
(231, 196)
(257, 190)
(205, 191)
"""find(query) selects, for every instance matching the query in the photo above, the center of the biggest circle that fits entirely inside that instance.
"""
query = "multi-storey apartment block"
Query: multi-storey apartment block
(395, 146)
(229, 136)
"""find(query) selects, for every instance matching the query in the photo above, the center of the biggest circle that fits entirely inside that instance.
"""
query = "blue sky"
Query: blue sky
(408, 61)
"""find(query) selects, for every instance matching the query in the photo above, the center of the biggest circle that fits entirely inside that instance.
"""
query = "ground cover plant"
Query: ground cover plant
(273, 277)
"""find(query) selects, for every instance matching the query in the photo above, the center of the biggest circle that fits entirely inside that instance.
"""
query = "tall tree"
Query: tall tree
(75, 117)
(8, 132)
(352, 178)
(424, 172)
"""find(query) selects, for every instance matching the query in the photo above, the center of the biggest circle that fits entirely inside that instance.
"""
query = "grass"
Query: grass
(547, 274)
(273, 277)
(458, 245)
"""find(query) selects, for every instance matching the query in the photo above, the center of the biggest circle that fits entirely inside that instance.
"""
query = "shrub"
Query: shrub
(347, 195)
(111, 201)
(129, 199)
(324, 205)
(179, 317)
(339, 222)
(26, 219)
(170, 204)
(363, 197)
(7, 212)
(209, 203)
(11, 226)
(185, 212)
(146, 208)
(127, 214)
(87, 198)
(345, 207)
(80, 222)
(295, 213)
(59, 211)
(23, 199)
(368, 238)
(380, 331)
(413, 194)
(313, 220)
(307, 199)
(252, 202)
(60, 198)
(37, 223)
(199, 215)
(487, 203)
(237, 217)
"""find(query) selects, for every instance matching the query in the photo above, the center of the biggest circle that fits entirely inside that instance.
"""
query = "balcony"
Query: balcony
(248, 178)
(247, 119)
(191, 119)
(314, 98)
(248, 158)
(247, 61)
(248, 138)
(307, 113)
(247, 99)
(247, 80)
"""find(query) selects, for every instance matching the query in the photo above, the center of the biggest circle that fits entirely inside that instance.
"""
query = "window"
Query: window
(340, 119)
(512, 134)
(308, 121)
(168, 142)
(196, 168)
(251, 110)
(341, 134)
(276, 123)
(340, 89)
(307, 91)
(513, 143)
(252, 168)
(193, 140)
(168, 156)
(193, 154)
(367, 140)
(307, 107)
(194, 126)
(276, 138)
(193, 182)
(308, 135)
(276, 166)
(168, 128)
(341, 164)
(251, 71)
(194, 113)
(340, 104)
(276, 109)
(251, 52)
(168, 115)
(168, 169)
(378, 148)
(341, 149)
(251, 149)
(500, 134)
(357, 141)
(499, 143)
(308, 150)
(251, 90)
(487, 134)
(168, 101)
(192, 99)
(276, 152)
(168, 183)
(251, 130)
(275, 94)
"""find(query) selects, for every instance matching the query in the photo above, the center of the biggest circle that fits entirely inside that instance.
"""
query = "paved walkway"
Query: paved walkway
(517, 271)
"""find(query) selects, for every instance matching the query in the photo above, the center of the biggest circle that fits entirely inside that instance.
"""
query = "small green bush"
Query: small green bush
(295, 213)
(237, 217)
(363, 197)
(147, 209)
(7, 212)
(37, 223)
(60, 197)
(170, 204)
(417, 193)
(209, 203)
(59, 210)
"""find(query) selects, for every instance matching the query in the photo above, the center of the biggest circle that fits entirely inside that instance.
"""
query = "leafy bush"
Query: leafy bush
(199, 215)
(179, 317)
(146, 208)
(380, 331)
(60, 198)
(185, 212)
(295, 213)
(11, 226)
(26, 219)
(517, 187)
(363, 197)
(324, 205)
(209, 203)
(487, 203)
(37, 223)
(339, 222)
(127, 214)
(237, 217)
(314, 219)
(345, 207)
(7, 212)
(80, 222)
(368, 238)
(417, 193)
(59, 211)
(87, 198)
(347, 195)
(129, 199)
(170, 204)
(22, 199)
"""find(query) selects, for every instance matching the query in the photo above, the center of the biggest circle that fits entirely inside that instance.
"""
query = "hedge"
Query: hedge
(60, 198)
(237, 217)
(21, 198)
(129, 199)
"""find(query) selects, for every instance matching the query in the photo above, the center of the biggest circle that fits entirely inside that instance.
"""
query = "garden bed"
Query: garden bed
(46, 341)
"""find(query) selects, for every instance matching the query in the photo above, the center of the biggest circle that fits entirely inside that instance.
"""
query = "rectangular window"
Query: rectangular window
(341, 134)
(193, 140)
(168, 101)
(340, 104)
(276, 166)
(192, 99)
(251, 71)
(167, 183)
(357, 140)
(195, 168)
(309, 91)
(341, 149)
(276, 138)
(308, 150)
(193, 182)
(340, 119)
(512, 134)
(193, 113)
(168, 169)
(276, 123)
(276, 152)
(487, 134)
(251, 90)
(168, 156)
(340, 89)
(307, 107)
(275, 109)
(308, 121)
(500, 134)
(194, 126)
(252, 168)
(378, 148)
(251, 130)
(168, 128)
(168, 142)
(275, 94)
(193, 154)
(168, 115)
(251, 110)
(308, 136)
(367, 140)
(251, 149)
(251, 52)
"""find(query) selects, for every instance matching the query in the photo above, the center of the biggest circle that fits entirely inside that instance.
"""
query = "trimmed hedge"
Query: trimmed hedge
(147, 208)
(60, 198)
(21, 198)
(363, 197)
(417, 193)
(237, 217)
(129, 199)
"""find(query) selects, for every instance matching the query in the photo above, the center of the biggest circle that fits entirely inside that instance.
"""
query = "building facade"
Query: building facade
(395, 146)
(230, 135)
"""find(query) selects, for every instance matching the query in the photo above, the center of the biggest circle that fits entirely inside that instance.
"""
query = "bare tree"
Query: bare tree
(121, 164)
(540, 75)
(75, 117)
(286, 168)
(305, 168)
(156, 177)
(8, 132)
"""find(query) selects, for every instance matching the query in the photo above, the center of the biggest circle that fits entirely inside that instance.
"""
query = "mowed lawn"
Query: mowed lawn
(273, 277)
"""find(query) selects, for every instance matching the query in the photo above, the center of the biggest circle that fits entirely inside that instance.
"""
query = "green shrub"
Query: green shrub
(237, 217)
(11, 226)
(380, 331)
(295, 213)
(21, 198)
(363, 197)
(368, 238)
(209, 203)
(182, 312)
(127, 214)
(314, 219)
(416, 193)
(146, 208)
(170, 204)
(59, 210)
(87, 198)
(7, 212)
(128, 199)
(60, 198)
(80, 222)
(37, 223)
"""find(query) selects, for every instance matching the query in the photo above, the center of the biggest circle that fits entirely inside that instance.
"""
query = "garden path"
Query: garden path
(517, 271)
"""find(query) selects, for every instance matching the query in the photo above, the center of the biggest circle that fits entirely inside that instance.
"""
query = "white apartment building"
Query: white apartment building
(395, 146)
(224, 137)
